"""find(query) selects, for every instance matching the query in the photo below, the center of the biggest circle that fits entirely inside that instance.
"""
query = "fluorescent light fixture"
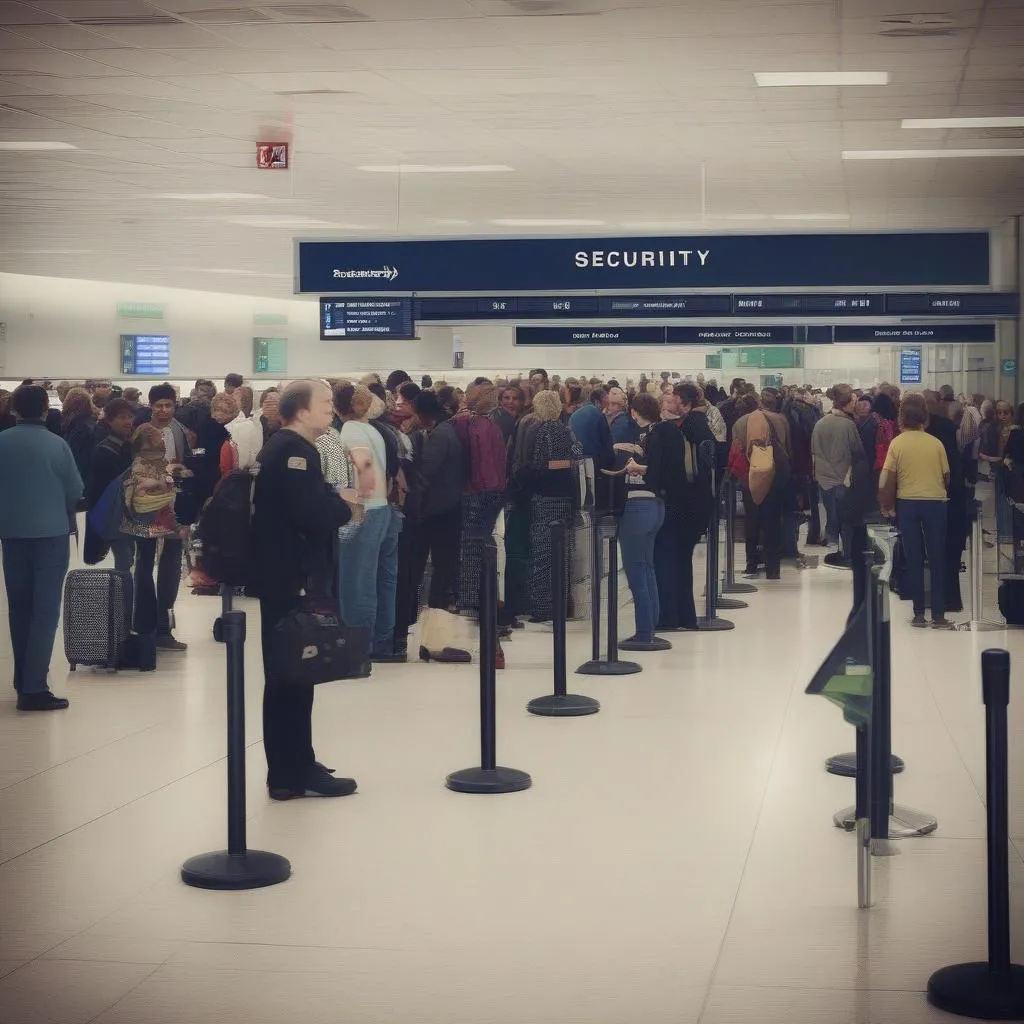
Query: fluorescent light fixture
(546, 222)
(437, 168)
(450, 222)
(661, 225)
(285, 221)
(962, 122)
(927, 154)
(745, 216)
(810, 216)
(776, 79)
(234, 272)
(34, 147)
(210, 197)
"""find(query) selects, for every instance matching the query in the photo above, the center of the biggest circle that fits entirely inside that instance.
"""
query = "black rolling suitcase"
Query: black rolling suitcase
(97, 616)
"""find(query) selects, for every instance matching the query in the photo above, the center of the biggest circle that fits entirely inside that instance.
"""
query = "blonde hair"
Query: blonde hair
(225, 402)
(547, 405)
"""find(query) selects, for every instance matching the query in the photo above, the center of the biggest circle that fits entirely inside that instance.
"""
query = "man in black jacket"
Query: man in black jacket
(111, 457)
(296, 516)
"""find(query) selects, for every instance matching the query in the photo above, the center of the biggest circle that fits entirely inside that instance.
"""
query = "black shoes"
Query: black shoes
(167, 642)
(319, 782)
(837, 561)
(44, 701)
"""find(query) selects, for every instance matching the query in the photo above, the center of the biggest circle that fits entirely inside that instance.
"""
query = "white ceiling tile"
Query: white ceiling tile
(14, 13)
(49, 62)
(66, 37)
(167, 37)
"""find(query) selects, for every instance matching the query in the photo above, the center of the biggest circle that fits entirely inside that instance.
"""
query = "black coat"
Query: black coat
(296, 516)
(110, 458)
(81, 439)
(204, 464)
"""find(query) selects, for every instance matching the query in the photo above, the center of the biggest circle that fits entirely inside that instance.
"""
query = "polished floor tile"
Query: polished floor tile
(674, 861)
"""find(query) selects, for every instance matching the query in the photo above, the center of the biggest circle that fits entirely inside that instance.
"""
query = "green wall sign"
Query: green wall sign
(277, 319)
(1009, 368)
(140, 311)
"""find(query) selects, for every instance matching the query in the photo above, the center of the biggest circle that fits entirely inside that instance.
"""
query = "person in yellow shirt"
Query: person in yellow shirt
(913, 489)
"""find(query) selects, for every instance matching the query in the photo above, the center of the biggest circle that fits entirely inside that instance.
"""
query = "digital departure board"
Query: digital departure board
(739, 334)
(954, 303)
(145, 355)
(811, 304)
(590, 336)
(865, 334)
(270, 355)
(910, 366)
(375, 316)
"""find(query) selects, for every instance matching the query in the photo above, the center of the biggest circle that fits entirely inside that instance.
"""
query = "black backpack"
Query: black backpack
(224, 529)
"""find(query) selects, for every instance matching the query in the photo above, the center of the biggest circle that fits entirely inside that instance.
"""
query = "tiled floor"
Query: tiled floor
(675, 860)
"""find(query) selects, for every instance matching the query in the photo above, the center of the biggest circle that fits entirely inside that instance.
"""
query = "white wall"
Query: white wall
(65, 328)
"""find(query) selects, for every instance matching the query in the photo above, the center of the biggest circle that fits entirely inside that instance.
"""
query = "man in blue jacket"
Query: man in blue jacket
(41, 488)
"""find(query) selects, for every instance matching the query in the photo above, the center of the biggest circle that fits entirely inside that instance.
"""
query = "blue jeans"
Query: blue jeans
(367, 576)
(640, 523)
(831, 499)
(34, 571)
(921, 520)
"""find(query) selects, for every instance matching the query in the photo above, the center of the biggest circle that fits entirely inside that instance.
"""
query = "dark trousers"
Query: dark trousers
(439, 538)
(406, 593)
(34, 571)
(673, 569)
(287, 711)
(154, 600)
(764, 519)
(922, 526)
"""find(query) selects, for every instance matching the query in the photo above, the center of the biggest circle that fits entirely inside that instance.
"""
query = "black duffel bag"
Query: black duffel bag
(311, 645)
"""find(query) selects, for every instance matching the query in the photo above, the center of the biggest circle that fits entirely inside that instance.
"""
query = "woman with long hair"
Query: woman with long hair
(77, 427)
(995, 439)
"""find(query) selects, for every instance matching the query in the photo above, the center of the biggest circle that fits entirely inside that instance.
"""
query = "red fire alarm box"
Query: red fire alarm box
(272, 156)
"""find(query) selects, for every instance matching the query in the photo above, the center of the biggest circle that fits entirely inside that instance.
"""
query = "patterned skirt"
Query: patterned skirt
(544, 512)
(479, 514)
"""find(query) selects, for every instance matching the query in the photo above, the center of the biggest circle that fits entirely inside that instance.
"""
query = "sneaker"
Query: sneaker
(168, 642)
(319, 782)
(836, 561)
(943, 623)
(43, 701)
(919, 621)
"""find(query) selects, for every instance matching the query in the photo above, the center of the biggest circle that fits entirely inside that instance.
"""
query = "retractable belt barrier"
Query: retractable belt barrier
(237, 867)
(489, 777)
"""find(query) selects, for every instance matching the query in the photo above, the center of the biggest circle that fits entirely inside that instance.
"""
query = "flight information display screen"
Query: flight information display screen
(145, 355)
(373, 316)
(270, 355)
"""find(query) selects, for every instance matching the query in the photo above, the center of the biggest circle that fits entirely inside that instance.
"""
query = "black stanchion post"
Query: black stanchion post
(489, 777)
(992, 990)
(711, 622)
(610, 666)
(561, 704)
(729, 584)
(236, 867)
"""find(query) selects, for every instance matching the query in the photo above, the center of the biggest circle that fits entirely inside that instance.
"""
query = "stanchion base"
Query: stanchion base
(715, 625)
(846, 765)
(904, 822)
(981, 627)
(737, 588)
(568, 705)
(657, 644)
(488, 780)
(974, 990)
(731, 604)
(253, 869)
(609, 668)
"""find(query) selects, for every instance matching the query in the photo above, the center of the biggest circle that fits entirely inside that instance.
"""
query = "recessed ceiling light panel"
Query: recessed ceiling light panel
(780, 79)
(35, 147)
(963, 122)
(929, 154)
(210, 197)
(436, 168)
(546, 222)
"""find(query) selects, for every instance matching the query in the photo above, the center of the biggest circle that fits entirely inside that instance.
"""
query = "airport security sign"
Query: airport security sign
(488, 265)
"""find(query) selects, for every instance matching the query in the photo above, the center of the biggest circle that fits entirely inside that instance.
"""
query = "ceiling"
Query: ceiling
(640, 114)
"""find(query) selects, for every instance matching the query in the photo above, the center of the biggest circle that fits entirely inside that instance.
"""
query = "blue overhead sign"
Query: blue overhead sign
(889, 333)
(595, 264)
(955, 304)
(590, 335)
(734, 335)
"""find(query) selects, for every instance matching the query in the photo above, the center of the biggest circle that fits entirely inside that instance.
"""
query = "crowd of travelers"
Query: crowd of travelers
(381, 494)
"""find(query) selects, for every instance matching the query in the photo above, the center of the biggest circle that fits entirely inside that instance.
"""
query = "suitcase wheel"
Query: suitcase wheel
(73, 666)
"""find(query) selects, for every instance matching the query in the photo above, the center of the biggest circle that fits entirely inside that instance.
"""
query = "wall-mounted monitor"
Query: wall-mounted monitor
(270, 355)
(371, 317)
(145, 355)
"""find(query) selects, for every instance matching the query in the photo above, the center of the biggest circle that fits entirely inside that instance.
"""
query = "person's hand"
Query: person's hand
(889, 513)
(634, 467)
(183, 533)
